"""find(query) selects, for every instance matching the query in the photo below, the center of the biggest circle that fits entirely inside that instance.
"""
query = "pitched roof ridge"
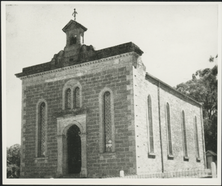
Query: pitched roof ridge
(176, 91)
(72, 21)
(211, 152)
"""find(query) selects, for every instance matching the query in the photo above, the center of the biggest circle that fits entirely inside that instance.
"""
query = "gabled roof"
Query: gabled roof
(171, 90)
(209, 152)
(76, 24)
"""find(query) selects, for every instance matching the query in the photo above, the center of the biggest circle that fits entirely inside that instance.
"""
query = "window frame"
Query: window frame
(41, 101)
(184, 137)
(196, 138)
(169, 133)
(151, 149)
(66, 99)
(72, 84)
(101, 121)
(74, 97)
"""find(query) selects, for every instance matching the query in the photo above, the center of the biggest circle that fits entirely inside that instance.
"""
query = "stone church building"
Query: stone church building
(91, 113)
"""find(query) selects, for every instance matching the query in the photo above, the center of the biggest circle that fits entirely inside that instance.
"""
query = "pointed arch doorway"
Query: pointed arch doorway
(73, 150)
(71, 146)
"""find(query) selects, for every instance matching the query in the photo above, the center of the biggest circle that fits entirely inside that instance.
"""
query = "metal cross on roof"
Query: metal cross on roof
(74, 14)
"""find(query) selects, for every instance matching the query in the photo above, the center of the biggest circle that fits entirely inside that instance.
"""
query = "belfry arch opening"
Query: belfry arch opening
(73, 40)
(74, 162)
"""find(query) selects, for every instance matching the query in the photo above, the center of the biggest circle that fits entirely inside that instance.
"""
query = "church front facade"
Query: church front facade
(91, 113)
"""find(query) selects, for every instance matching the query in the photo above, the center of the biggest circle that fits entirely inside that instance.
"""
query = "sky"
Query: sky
(177, 40)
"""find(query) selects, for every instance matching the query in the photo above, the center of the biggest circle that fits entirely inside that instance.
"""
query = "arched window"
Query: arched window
(170, 148)
(107, 122)
(184, 135)
(196, 138)
(150, 125)
(72, 95)
(73, 40)
(68, 98)
(76, 98)
(41, 129)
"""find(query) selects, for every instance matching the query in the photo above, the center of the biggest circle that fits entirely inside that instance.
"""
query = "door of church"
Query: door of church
(74, 150)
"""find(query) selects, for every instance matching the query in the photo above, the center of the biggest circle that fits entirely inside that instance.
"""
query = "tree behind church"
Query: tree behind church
(13, 161)
(203, 88)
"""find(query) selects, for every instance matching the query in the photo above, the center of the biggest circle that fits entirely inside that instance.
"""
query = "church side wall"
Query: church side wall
(176, 107)
(142, 89)
(146, 164)
(114, 73)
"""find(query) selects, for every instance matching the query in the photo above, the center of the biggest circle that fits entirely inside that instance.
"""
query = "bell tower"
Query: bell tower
(74, 37)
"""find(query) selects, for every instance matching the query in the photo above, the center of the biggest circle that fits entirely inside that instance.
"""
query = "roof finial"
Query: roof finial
(74, 14)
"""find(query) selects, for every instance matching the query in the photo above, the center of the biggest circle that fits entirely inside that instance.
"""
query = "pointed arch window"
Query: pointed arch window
(41, 130)
(71, 95)
(196, 139)
(68, 98)
(76, 98)
(107, 122)
(184, 136)
(150, 125)
(169, 137)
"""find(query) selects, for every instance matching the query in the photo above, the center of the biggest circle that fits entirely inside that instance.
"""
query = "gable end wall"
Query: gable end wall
(115, 74)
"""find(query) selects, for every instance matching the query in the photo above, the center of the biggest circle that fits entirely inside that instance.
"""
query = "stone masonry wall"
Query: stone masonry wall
(176, 107)
(143, 88)
(114, 73)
